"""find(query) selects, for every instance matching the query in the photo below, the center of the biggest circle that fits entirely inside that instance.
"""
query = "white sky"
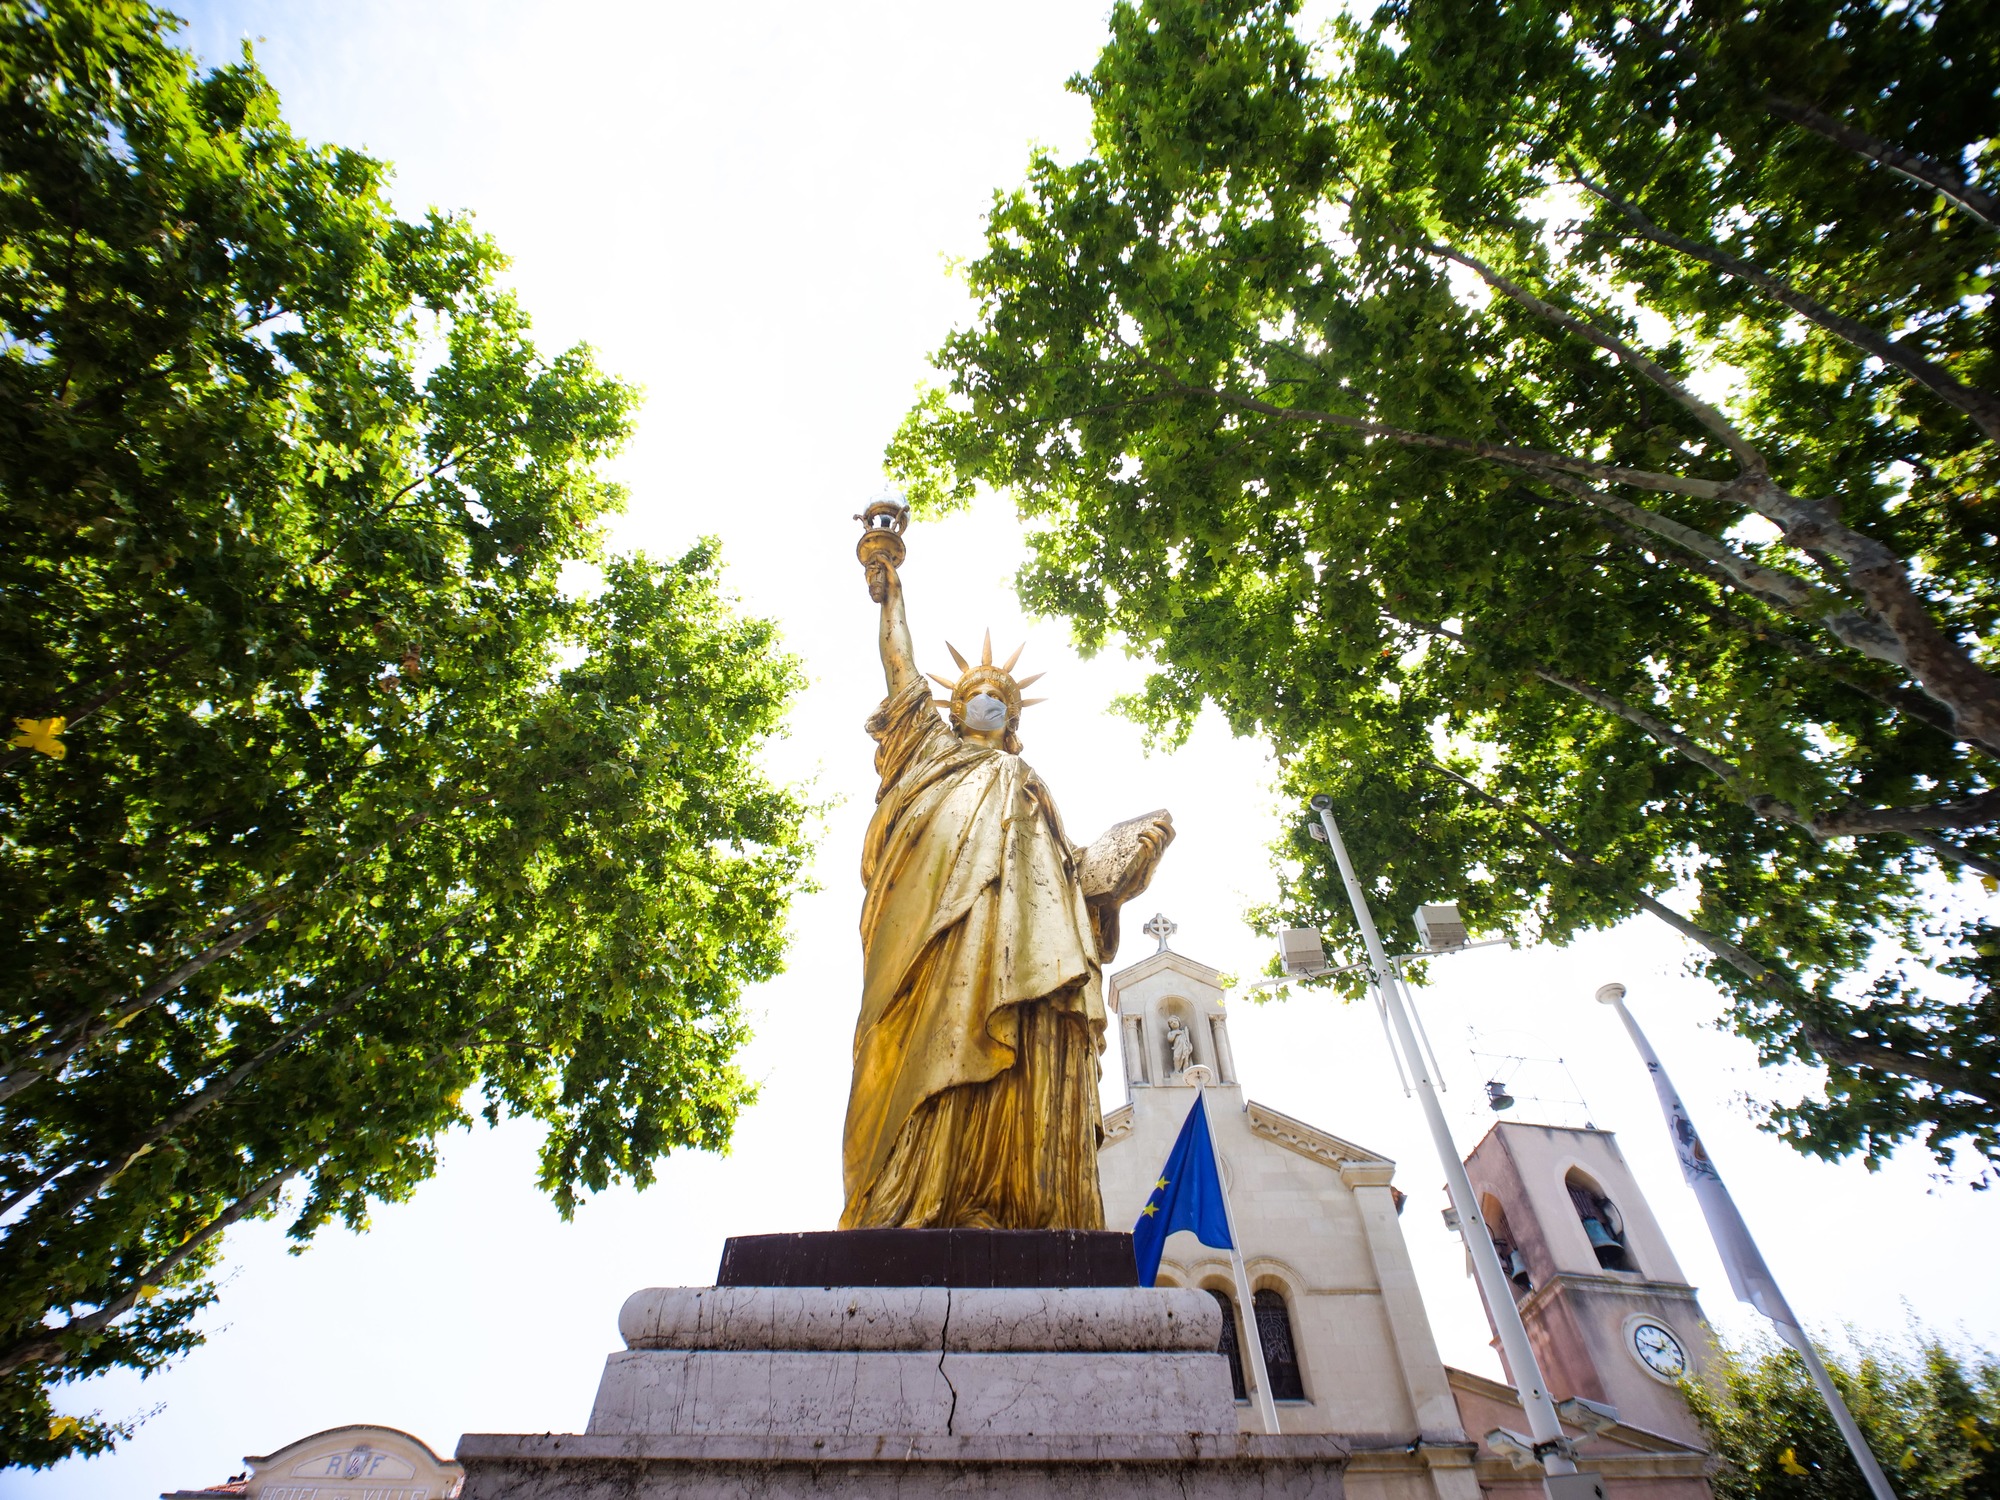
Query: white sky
(748, 211)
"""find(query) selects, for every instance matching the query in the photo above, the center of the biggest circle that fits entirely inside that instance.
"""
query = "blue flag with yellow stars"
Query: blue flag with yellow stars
(1188, 1195)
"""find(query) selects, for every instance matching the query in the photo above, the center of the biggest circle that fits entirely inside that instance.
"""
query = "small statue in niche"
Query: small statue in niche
(1181, 1043)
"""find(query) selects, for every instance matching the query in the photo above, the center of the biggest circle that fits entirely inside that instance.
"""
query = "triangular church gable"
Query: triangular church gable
(1155, 963)
(1313, 1144)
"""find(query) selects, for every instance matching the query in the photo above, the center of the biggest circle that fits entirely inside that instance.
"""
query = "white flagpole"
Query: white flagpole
(1544, 1427)
(1749, 1277)
(1250, 1339)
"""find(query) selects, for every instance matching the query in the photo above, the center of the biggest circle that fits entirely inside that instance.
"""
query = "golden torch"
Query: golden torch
(881, 546)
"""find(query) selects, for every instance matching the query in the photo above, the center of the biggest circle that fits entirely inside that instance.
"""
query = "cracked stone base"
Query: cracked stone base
(697, 1392)
(903, 1362)
(729, 1392)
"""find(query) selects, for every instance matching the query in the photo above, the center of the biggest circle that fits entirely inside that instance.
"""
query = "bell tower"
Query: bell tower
(1611, 1316)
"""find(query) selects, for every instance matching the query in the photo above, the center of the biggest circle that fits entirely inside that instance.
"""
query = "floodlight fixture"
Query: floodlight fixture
(1303, 951)
(1440, 927)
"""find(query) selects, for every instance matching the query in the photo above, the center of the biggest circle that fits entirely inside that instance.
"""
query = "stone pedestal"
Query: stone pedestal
(740, 1391)
(908, 1362)
(960, 1361)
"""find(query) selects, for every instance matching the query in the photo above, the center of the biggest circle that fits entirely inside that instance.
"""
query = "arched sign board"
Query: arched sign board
(352, 1463)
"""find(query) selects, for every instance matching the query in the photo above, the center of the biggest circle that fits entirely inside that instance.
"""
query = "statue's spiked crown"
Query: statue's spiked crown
(999, 681)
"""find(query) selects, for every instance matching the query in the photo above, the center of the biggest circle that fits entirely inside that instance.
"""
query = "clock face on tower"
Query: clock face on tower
(1657, 1349)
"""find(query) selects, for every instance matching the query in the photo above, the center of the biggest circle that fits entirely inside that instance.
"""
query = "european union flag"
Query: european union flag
(1187, 1196)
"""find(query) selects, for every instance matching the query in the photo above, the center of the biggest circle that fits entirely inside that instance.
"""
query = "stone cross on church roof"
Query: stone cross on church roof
(1160, 928)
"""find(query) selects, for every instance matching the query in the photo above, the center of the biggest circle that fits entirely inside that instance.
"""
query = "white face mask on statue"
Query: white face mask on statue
(985, 712)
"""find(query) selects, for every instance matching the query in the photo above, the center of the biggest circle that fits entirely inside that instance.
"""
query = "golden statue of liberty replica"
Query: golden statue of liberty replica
(984, 935)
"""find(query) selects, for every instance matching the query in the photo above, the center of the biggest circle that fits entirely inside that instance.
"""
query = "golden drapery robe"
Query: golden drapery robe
(974, 1101)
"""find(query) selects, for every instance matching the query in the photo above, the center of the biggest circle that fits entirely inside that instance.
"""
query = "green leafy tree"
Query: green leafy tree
(1568, 432)
(331, 817)
(1930, 1413)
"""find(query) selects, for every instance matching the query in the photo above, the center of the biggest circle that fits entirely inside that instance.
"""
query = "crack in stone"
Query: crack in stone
(944, 1347)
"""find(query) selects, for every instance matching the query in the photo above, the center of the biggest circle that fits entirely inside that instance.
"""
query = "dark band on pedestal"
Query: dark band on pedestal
(931, 1257)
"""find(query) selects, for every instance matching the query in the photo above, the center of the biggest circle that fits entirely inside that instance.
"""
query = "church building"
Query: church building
(1346, 1340)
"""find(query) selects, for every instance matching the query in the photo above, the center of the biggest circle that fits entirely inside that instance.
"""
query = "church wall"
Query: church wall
(1367, 1359)
(1318, 1221)
(1372, 1477)
(1305, 1239)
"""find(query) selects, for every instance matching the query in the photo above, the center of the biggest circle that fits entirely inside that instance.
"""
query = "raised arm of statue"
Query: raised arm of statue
(881, 551)
(899, 656)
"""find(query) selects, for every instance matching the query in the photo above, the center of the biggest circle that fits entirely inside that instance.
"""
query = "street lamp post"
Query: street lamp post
(1545, 1428)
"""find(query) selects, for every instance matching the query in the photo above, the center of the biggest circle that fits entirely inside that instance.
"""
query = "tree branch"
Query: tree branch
(1892, 696)
(1725, 771)
(1944, 849)
(1737, 958)
(1981, 406)
(254, 918)
(47, 1346)
(22, 1194)
(52, 1060)
(80, 1190)
(1919, 168)
(1951, 1077)
(10, 757)
(92, 704)
(1709, 416)
(1530, 459)
(1977, 811)
(1775, 586)
(1902, 632)
(1843, 1050)
(1896, 699)
(1940, 664)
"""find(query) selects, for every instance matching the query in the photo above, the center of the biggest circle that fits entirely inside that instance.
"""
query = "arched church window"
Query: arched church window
(1281, 1355)
(1230, 1348)
(1506, 1246)
(1603, 1225)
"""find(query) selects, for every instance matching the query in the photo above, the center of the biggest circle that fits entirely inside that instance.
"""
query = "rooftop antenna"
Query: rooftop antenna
(1503, 1072)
